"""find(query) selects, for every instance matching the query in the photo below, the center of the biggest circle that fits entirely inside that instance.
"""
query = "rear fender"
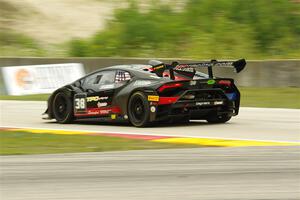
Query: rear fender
(122, 98)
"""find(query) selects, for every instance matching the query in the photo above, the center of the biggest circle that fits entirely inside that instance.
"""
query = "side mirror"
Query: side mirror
(77, 84)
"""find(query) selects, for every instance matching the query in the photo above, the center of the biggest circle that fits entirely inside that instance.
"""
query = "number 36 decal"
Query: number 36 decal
(80, 103)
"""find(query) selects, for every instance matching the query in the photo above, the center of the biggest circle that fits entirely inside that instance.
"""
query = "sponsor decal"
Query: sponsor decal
(100, 111)
(101, 104)
(110, 86)
(91, 112)
(193, 82)
(153, 103)
(153, 98)
(218, 103)
(158, 67)
(204, 103)
(211, 82)
(184, 68)
(95, 98)
(142, 82)
(104, 112)
(152, 109)
(208, 103)
(113, 116)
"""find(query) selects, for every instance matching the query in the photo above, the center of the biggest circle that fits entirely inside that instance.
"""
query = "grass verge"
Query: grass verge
(34, 97)
(270, 97)
(19, 142)
(251, 97)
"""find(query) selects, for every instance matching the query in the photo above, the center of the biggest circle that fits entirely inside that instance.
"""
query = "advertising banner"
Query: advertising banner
(40, 79)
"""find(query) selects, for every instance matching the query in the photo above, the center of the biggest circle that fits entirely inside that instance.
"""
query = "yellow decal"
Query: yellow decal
(113, 116)
(95, 98)
(153, 98)
(158, 67)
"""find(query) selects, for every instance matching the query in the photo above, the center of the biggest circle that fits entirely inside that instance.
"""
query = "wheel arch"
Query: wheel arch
(136, 119)
(147, 91)
(68, 91)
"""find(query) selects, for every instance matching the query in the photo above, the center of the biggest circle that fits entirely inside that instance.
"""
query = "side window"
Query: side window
(92, 79)
(122, 76)
(108, 77)
(100, 78)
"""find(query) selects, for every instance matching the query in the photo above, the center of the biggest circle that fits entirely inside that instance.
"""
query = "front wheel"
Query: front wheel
(217, 119)
(138, 109)
(62, 108)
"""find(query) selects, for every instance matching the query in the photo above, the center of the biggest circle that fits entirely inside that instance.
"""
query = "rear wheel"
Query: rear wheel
(216, 119)
(62, 108)
(138, 109)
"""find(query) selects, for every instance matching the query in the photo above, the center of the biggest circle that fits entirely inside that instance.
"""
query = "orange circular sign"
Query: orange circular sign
(22, 77)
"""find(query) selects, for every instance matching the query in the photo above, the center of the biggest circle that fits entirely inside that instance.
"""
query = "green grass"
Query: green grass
(18, 142)
(270, 97)
(251, 97)
(34, 97)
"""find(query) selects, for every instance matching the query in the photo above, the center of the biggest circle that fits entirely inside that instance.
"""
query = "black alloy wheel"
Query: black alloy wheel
(62, 108)
(138, 109)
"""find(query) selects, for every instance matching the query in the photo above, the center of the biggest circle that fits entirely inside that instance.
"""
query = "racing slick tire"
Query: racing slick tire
(218, 119)
(62, 108)
(138, 109)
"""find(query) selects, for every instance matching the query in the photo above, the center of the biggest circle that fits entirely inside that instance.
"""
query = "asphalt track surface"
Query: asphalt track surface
(251, 124)
(261, 173)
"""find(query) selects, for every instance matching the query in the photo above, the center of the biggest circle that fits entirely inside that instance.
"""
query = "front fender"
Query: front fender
(49, 110)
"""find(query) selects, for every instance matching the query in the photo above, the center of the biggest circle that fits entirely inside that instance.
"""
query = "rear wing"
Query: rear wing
(190, 68)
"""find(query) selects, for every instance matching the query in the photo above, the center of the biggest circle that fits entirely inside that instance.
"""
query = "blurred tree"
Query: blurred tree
(202, 29)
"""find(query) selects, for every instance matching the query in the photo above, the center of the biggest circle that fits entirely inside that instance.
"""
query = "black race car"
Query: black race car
(142, 94)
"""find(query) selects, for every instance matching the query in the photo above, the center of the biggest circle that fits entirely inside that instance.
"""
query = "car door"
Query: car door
(98, 91)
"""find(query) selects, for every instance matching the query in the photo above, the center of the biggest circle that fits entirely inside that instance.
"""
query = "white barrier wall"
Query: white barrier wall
(39, 79)
(258, 73)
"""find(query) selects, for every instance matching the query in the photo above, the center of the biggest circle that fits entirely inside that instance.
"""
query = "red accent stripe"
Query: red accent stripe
(169, 85)
(167, 100)
(116, 109)
(100, 111)
(5, 129)
(118, 135)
